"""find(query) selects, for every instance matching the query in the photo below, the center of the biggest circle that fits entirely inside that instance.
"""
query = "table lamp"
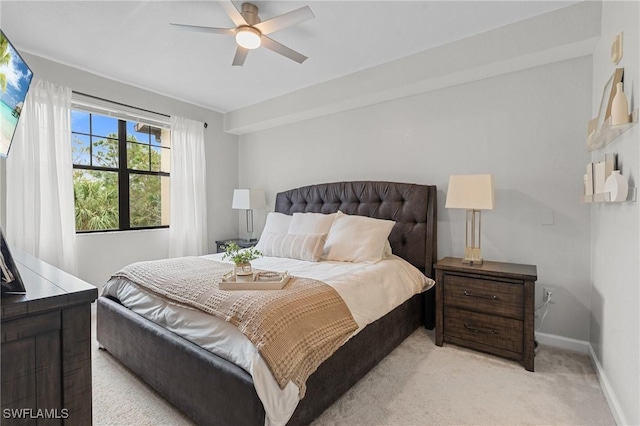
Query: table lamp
(249, 200)
(473, 193)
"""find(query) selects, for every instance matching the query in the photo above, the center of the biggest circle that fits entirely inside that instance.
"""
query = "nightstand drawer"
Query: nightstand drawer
(491, 297)
(497, 332)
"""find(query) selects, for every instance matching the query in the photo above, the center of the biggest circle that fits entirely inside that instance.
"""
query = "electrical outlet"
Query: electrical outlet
(547, 293)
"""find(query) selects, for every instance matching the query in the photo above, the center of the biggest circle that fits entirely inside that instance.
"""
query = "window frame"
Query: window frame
(123, 171)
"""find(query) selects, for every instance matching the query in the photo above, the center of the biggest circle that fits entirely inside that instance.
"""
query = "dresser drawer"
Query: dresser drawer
(492, 297)
(497, 332)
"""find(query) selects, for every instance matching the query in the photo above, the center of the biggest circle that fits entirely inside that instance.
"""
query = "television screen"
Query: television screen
(15, 79)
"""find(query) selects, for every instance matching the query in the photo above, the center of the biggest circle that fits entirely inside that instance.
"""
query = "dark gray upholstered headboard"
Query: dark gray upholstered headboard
(412, 207)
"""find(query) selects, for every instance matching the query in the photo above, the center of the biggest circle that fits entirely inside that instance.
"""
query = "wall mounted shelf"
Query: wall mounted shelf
(609, 133)
(605, 197)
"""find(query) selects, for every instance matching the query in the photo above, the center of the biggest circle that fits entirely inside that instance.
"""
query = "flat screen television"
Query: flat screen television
(15, 79)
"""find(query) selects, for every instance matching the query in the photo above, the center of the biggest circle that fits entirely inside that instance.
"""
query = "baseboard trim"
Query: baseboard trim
(607, 390)
(563, 342)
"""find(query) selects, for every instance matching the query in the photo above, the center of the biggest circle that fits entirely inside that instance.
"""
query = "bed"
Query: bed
(212, 390)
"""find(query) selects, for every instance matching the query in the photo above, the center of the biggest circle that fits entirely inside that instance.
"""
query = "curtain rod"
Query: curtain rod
(125, 105)
(120, 103)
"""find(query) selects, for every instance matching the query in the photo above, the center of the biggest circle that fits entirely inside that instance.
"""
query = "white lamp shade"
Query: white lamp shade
(248, 199)
(473, 192)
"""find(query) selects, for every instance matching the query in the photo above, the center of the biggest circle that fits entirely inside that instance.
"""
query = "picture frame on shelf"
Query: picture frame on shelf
(599, 177)
(588, 180)
(598, 124)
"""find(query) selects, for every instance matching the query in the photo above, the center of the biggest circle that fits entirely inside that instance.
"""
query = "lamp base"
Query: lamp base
(472, 256)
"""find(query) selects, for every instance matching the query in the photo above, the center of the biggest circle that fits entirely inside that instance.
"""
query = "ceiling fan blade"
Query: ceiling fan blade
(271, 44)
(286, 20)
(241, 55)
(201, 29)
(233, 13)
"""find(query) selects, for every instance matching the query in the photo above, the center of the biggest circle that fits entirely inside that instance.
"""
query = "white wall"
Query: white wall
(615, 232)
(526, 127)
(101, 254)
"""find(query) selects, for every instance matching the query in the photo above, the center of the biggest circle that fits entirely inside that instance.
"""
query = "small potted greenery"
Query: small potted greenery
(241, 257)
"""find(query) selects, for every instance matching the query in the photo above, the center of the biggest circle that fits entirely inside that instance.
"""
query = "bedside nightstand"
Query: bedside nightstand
(221, 244)
(487, 307)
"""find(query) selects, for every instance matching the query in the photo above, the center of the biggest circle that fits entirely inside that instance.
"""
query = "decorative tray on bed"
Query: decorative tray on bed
(264, 280)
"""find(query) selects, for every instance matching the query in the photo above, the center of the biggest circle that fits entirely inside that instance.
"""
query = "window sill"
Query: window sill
(118, 231)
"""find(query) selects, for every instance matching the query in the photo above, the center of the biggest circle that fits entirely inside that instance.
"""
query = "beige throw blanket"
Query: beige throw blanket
(294, 329)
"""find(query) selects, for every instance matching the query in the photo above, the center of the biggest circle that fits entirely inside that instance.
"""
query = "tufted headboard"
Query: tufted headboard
(412, 207)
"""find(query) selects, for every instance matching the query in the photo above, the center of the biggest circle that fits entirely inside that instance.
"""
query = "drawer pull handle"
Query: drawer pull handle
(481, 296)
(480, 329)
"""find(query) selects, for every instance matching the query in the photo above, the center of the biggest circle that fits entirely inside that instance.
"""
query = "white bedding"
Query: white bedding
(369, 290)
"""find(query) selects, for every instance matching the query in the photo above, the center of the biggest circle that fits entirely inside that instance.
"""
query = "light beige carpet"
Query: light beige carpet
(417, 384)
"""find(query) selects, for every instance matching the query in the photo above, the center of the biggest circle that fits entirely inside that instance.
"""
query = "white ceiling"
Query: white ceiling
(132, 42)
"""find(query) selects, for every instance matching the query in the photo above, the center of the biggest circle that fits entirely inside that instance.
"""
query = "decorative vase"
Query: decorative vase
(619, 107)
(243, 269)
(617, 186)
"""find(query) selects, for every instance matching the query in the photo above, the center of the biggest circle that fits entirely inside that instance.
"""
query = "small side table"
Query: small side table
(487, 307)
(241, 242)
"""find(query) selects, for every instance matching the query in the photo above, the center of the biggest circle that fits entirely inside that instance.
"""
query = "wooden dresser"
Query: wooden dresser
(46, 348)
(488, 307)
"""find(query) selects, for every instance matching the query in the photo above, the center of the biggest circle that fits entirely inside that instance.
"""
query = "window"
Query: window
(120, 173)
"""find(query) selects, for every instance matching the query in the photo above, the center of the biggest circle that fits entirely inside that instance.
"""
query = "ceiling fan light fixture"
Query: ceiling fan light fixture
(249, 30)
(248, 37)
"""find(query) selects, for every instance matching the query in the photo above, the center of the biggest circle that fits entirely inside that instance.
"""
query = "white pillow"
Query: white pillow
(355, 238)
(311, 223)
(294, 246)
(387, 249)
(277, 222)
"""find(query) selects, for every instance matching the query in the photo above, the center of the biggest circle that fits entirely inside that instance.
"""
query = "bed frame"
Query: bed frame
(213, 391)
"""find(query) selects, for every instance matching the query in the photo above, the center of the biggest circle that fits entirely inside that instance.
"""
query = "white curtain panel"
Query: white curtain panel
(40, 208)
(188, 230)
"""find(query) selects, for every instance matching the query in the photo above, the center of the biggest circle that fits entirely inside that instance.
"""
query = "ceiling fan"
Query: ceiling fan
(250, 32)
